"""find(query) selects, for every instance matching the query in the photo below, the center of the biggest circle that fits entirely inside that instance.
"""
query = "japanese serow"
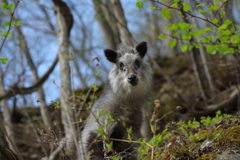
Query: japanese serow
(126, 92)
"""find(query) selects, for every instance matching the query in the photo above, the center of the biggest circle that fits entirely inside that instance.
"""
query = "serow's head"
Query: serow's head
(129, 66)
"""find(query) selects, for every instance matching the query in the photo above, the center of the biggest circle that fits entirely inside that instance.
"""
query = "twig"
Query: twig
(18, 154)
(221, 7)
(57, 150)
(11, 153)
(9, 27)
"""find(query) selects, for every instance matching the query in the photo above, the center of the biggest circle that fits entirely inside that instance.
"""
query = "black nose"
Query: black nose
(132, 78)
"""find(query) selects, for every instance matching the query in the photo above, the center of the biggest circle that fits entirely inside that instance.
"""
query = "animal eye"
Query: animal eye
(121, 65)
(137, 64)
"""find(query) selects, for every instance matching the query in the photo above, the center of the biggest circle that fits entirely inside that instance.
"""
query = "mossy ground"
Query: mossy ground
(196, 140)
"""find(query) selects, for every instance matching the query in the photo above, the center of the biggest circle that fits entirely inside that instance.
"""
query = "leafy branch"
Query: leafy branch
(185, 9)
(11, 8)
(224, 39)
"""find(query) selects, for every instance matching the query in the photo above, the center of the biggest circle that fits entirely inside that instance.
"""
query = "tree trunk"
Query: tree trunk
(6, 125)
(6, 115)
(64, 23)
(154, 31)
(110, 34)
(198, 65)
(205, 67)
(125, 35)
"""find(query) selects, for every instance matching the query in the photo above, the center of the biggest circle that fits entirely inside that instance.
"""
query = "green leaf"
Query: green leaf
(98, 72)
(199, 5)
(153, 7)
(176, 1)
(10, 6)
(215, 21)
(100, 131)
(201, 11)
(176, 34)
(162, 36)
(17, 23)
(235, 38)
(108, 115)
(4, 5)
(216, 1)
(94, 87)
(193, 25)
(7, 24)
(172, 43)
(173, 27)
(225, 32)
(186, 6)
(6, 34)
(129, 130)
(198, 33)
(223, 48)
(166, 13)
(184, 48)
(174, 5)
(211, 49)
(179, 13)
(231, 50)
(4, 60)
(214, 7)
(186, 37)
(207, 29)
(225, 39)
(139, 4)
(183, 25)
(207, 39)
(100, 113)
(222, 13)
(227, 22)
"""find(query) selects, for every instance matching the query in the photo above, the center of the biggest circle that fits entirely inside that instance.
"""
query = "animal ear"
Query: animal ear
(111, 55)
(142, 48)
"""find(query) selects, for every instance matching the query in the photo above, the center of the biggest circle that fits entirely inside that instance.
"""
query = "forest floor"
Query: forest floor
(185, 134)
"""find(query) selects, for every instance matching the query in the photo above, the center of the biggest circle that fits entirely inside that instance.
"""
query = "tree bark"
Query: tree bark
(111, 36)
(197, 65)
(125, 35)
(64, 23)
(154, 31)
(6, 126)
(6, 114)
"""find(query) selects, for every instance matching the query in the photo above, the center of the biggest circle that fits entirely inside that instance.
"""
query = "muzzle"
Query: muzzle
(133, 79)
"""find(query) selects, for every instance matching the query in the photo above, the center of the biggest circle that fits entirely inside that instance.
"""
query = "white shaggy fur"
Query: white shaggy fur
(119, 82)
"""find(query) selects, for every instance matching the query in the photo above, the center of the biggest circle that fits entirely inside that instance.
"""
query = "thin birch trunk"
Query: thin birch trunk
(197, 67)
(154, 31)
(206, 68)
(64, 23)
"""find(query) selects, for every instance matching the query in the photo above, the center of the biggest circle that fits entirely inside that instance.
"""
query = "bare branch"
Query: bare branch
(15, 90)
